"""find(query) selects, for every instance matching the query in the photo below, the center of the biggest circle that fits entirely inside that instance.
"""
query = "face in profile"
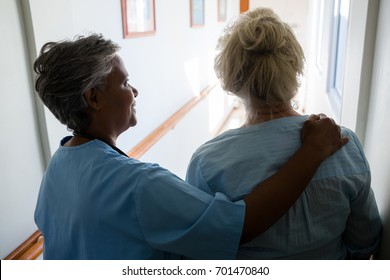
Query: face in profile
(119, 99)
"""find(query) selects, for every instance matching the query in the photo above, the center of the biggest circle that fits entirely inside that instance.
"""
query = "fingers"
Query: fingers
(344, 140)
(322, 116)
(317, 117)
(323, 133)
(313, 117)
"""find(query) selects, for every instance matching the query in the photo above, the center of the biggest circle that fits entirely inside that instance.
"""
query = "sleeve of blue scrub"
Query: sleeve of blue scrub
(179, 218)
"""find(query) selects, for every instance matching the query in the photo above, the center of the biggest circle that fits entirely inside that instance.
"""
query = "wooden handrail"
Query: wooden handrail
(29, 249)
(143, 146)
(32, 248)
(226, 120)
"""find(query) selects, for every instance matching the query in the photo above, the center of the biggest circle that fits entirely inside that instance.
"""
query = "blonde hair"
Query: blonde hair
(259, 59)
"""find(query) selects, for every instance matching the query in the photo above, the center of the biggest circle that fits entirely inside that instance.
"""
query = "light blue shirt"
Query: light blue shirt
(335, 216)
(95, 203)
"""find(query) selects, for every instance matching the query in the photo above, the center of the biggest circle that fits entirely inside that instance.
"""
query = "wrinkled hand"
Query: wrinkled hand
(322, 135)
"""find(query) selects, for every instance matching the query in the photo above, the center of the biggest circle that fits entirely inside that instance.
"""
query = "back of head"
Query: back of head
(67, 69)
(260, 59)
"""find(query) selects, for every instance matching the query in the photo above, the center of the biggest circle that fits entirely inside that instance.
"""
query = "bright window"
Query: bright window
(338, 54)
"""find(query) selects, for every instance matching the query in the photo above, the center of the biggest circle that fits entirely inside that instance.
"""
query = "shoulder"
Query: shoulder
(350, 160)
(226, 141)
(209, 153)
(354, 147)
(353, 139)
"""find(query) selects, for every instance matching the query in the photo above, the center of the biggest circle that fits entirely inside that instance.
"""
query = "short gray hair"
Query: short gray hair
(259, 58)
(67, 69)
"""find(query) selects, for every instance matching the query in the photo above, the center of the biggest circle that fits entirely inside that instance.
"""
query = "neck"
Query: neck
(87, 137)
(265, 112)
(91, 136)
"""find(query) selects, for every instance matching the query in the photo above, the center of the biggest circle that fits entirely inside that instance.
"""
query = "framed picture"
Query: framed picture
(197, 13)
(222, 10)
(138, 17)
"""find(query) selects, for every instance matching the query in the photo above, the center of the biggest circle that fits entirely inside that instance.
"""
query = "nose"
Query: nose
(135, 91)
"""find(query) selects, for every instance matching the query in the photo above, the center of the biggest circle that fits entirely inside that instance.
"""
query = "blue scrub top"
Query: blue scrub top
(97, 204)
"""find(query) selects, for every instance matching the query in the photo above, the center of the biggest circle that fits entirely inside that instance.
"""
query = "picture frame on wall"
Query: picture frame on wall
(222, 10)
(196, 13)
(138, 17)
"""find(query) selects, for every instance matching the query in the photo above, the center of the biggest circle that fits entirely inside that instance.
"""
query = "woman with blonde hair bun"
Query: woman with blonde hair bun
(336, 217)
(259, 61)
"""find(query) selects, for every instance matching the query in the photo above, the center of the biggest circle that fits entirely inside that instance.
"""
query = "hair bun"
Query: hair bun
(262, 32)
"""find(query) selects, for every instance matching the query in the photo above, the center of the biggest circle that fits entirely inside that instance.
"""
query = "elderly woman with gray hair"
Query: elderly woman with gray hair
(97, 203)
(336, 217)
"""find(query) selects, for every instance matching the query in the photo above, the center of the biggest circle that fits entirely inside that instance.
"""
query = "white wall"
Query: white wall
(175, 149)
(194, 51)
(377, 137)
(358, 65)
(22, 164)
(317, 58)
(296, 19)
(157, 65)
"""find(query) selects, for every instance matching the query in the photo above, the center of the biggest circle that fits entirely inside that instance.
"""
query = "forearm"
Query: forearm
(273, 197)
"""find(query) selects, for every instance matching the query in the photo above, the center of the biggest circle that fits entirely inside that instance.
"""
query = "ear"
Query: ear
(92, 98)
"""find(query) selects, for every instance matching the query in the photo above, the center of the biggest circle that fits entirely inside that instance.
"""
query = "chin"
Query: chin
(133, 123)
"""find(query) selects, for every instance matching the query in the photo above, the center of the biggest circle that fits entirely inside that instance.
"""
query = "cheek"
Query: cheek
(129, 98)
(126, 101)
